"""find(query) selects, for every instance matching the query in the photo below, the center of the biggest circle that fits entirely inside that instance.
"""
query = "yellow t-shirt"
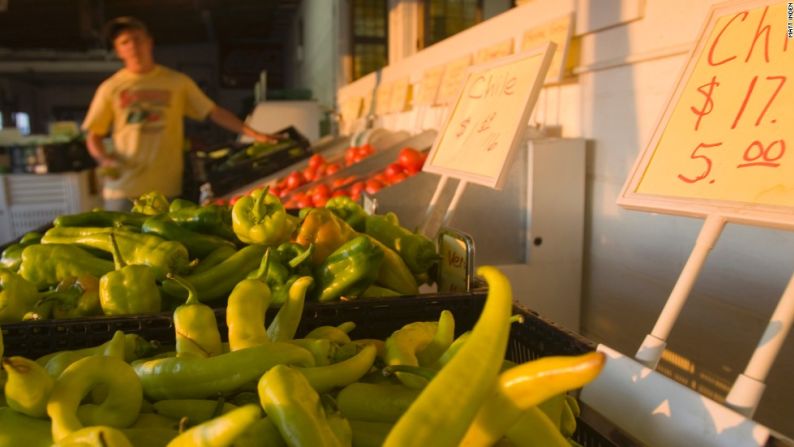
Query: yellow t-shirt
(146, 111)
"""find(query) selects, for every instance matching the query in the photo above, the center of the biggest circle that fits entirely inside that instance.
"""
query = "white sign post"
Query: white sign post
(485, 127)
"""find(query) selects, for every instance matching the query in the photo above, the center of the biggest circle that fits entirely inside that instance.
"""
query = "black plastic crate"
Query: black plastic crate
(374, 318)
(217, 178)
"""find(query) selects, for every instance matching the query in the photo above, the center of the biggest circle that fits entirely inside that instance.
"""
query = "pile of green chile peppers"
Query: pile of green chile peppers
(267, 388)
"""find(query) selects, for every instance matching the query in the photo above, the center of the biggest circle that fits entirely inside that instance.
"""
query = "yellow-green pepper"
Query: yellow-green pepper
(130, 289)
(17, 296)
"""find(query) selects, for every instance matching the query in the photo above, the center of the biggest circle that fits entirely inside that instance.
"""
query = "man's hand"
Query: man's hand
(260, 137)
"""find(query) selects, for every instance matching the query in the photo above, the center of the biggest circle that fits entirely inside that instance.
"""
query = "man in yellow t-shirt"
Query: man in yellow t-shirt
(145, 104)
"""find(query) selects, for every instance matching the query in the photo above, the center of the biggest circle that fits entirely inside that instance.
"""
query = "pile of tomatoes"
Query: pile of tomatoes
(409, 162)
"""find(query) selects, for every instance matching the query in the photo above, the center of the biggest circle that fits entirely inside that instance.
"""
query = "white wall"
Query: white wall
(632, 259)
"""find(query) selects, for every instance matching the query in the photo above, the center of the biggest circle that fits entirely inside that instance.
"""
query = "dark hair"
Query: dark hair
(115, 26)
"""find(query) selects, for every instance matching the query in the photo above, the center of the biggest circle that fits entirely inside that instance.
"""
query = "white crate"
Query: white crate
(29, 201)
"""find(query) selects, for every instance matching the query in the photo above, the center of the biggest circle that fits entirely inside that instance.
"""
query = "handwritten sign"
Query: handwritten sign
(400, 96)
(725, 141)
(557, 31)
(487, 123)
(350, 110)
(383, 98)
(456, 267)
(489, 53)
(428, 87)
(454, 74)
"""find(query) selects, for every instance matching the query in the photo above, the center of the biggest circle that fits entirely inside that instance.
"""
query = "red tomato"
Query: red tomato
(381, 177)
(295, 179)
(410, 158)
(340, 192)
(316, 160)
(320, 172)
(358, 158)
(397, 178)
(332, 168)
(290, 204)
(309, 173)
(411, 171)
(275, 191)
(373, 186)
(356, 188)
(322, 188)
(223, 202)
(319, 198)
(367, 149)
(338, 182)
(304, 202)
(393, 169)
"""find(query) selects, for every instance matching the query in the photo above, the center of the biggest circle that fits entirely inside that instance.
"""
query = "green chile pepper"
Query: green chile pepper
(130, 289)
(295, 408)
(526, 386)
(198, 244)
(48, 264)
(369, 434)
(119, 409)
(210, 219)
(11, 257)
(404, 344)
(333, 333)
(27, 387)
(151, 204)
(161, 255)
(535, 429)
(135, 347)
(17, 296)
(441, 341)
(260, 433)
(285, 324)
(453, 398)
(418, 252)
(197, 411)
(349, 211)
(195, 326)
(219, 280)
(349, 270)
(73, 298)
(95, 436)
(217, 256)
(100, 218)
(246, 308)
(380, 402)
(181, 204)
(200, 378)
(260, 218)
(393, 273)
(221, 431)
(326, 378)
(322, 350)
(20, 430)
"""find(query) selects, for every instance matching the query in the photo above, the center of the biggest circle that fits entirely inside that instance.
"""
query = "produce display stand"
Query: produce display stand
(375, 318)
(333, 152)
(374, 163)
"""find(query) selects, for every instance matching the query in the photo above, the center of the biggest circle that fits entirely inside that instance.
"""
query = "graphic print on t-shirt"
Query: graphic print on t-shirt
(145, 107)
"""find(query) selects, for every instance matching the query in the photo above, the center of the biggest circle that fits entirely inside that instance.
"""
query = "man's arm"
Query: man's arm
(229, 121)
(96, 147)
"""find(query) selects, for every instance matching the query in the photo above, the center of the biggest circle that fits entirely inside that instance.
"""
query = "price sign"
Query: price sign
(383, 98)
(351, 109)
(501, 49)
(454, 73)
(456, 267)
(400, 96)
(428, 87)
(724, 143)
(486, 124)
(558, 31)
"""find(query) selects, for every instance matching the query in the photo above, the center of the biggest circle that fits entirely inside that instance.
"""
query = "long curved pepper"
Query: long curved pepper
(119, 409)
(325, 378)
(526, 386)
(221, 431)
(246, 308)
(195, 325)
(285, 324)
(441, 415)
(99, 436)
